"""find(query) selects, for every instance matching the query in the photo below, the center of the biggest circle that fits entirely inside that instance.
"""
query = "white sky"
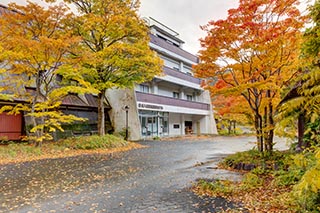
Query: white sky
(183, 16)
(186, 16)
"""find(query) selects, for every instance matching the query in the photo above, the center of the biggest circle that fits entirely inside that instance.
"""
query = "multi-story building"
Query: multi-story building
(173, 103)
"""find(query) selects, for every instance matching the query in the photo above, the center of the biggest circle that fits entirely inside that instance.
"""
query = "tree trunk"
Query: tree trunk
(258, 127)
(265, 128)
(301, 124)
(37, 133)
(271, 130)
(101, 115)
(269, 125)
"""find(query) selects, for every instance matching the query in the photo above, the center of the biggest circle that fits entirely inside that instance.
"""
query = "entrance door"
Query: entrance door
(149, 125)
(154, 123)
(152, 126)
(164, 125)
(188, 127)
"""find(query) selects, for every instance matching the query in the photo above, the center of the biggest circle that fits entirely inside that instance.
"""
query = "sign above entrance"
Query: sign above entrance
(149, 106)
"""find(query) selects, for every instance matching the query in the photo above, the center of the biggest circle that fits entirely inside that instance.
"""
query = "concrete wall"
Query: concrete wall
(175, 118)
(118, 99)
(212, 126)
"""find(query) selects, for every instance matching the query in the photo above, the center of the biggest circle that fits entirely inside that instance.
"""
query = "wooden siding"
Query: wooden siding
(10, 126)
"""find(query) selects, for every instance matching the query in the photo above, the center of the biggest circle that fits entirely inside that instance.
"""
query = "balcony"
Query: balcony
(181, 75)
(163, 100)
(162, 43)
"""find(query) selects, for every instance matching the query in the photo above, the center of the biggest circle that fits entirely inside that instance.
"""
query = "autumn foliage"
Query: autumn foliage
(35, 50)
(49, 52)
(251, 56)
(114, 48)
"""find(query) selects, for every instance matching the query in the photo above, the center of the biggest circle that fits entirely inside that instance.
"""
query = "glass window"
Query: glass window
(189, 97)
(168, 62)
(187, 70)
(144, 88)
(175, 94)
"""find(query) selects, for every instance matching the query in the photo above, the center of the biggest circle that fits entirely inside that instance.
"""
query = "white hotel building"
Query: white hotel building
(172, 104)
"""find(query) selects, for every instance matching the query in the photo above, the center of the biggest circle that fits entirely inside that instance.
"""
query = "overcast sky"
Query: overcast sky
(186, 16)
(183, 16)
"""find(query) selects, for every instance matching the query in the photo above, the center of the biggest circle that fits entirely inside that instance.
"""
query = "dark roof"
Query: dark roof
(73, 100)
(3, 9)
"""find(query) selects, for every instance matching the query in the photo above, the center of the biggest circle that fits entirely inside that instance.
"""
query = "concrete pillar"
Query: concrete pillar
(195, 96)
(182, 95)
(182, 124)
(155, 89)
(181, 67)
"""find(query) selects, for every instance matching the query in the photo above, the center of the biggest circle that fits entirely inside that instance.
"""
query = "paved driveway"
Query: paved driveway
(153, 179)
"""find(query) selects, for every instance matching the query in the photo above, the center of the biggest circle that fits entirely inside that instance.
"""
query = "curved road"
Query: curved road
(153, 179)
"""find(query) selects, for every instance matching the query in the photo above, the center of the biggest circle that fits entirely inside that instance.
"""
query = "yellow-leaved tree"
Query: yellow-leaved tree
(302, 103)
(36, 45)
(114, 47)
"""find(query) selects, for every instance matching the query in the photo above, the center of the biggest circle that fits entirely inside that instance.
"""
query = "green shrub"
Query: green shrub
(12, 150)
(287, 177)
(251, 180)
(252, 156)
(156, 138)
(93, 142)
(217, 187)
(307, 191)
(122, 133)
(259, 171)
(263, 161)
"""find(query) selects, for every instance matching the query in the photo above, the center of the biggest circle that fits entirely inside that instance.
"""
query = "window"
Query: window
(144, 88)
(187, 70)
(171, 63)
(175, 94)
(189, 97)
(176, 126)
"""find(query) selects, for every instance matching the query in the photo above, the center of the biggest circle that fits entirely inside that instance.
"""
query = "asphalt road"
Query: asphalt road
(153, 179)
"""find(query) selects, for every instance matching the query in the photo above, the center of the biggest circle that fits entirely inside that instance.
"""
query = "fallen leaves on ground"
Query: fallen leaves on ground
(267, 198)
(48, 152)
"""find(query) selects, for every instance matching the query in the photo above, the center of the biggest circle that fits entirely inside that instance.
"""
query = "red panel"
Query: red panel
(10, 126)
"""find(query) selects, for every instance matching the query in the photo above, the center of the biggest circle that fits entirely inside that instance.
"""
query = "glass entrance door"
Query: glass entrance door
(154, 123)
(164, 125)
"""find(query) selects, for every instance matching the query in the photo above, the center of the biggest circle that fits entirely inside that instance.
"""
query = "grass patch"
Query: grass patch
(261, 162)
(92, 142)
(13, 150)
(21, 152)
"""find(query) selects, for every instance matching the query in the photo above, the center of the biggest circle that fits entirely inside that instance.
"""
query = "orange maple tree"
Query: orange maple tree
(253, 54)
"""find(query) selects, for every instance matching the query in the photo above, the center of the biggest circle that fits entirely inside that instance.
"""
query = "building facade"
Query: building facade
(172, 104)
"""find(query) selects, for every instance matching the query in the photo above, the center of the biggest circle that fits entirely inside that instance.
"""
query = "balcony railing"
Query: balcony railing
(163, 100)
(181, 75)
(162, 43)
